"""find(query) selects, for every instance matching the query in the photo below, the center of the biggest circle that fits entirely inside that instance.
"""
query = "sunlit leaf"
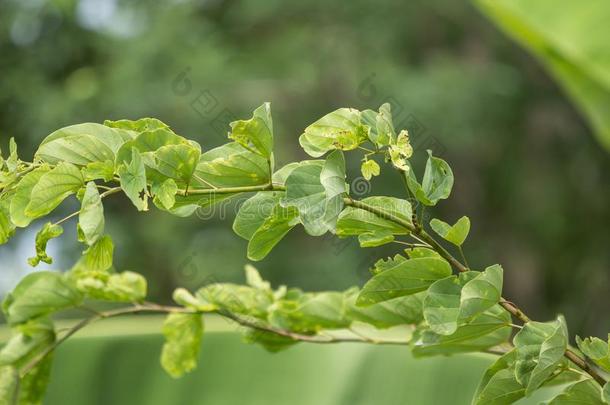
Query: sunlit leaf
(183, 333)
(49, 231)
(256, 133)
(91, 216)
(133, 181)
(52, 188)
(341, 129)
(23, 194)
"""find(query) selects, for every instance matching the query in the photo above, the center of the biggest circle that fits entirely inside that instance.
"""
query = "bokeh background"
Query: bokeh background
(529, 170)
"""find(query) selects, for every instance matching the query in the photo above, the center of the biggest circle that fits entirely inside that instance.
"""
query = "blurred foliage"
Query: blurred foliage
(528, 171)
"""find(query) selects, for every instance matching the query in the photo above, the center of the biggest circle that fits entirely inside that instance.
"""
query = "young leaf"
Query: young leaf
(436, 184)
(98, 257)
(23, 194)
(231, 165)
(273, 229)
(369, 169)
(13, 159)
(385, 127)
(9, 385)
(140, 125)
(355, 221)
(7, 228)
(183, 333)
(52, 188)
(340, 129)
(597, 350)
(133, 181)
(34, 384)
(82, 144)
(91, 216)
(332, 178)
(49, 231)
(27, 341)
(116, 287)
(254, 279)
(456, 233)
(409, 277)
(583, 392)
(237, 299)
(177, 162)
(540, 348)
(255, 134)
(38, 294)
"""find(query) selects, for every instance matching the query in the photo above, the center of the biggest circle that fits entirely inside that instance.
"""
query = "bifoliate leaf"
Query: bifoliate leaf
(341, 129)
(355, 221)
(436, 184)
(27, 342)
(9, 385)
(489, 329)
(442, 303)
(397, 311)
(273, 229)
(370, 168)
(147, 143)
(482, 292)
(7, 228)
(133, 181)
(280, 176)
(164, 194)
(305, 192)
(91, 216)
(82, 144)
(40, 294)
(99, 171)
(52, 188)
(499, 385)
(177, 162)
(254, 211)
(231, 165)
(409, 277)
(23, 194)
(332, 178)
(540, 348)
(183, 333)
(597, 350)
(583, 392)
(456, 233)
(49, 231)
(255, 134)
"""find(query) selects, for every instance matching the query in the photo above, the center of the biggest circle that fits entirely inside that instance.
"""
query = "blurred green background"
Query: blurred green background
(529, 171)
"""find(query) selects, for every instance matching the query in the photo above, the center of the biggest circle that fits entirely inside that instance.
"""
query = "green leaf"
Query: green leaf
(436, 184)
(310, 312)
(272, 342)
(571, 43)
(369, 169)
(27, 342)
(487, 330)
(237, 299)
(98, 257)
(52, 188)
(183, 333)
(332, 178)
(254, 211)
(254, 279)
(386, 264)
(540, 348)
(99, 171)
(355, 221)
(231, 165)
(409, 277)
(82, 144)
(49, 231)
(273, 229)
(255, 134)
(34, 384)
(177, 162)
(394, 312)
(13, 159)
(341, 129)
(482, 292)
(140, 125)
(23, 194)
(39, 294)
(165, 194)
(456, 233)
(385, 127)
(417, 252)
(280, 176)
(375, 239)
(498, 385)
(583, 392)
(442, 302)
(186, 299)
(133, 181)
(91, 216)
(7, 228)
(305, 192)
(9, 385)
(597, 350)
